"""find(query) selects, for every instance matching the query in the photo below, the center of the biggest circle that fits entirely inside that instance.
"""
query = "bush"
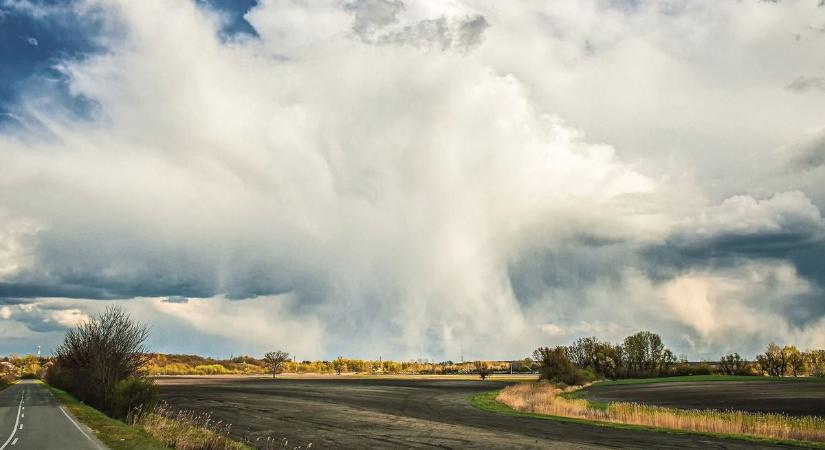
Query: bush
(96, 355)
(555, 366)
(133, 394)
(702, 369)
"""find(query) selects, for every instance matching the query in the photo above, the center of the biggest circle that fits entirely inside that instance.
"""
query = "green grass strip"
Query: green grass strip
(486, 401)
(114, 433)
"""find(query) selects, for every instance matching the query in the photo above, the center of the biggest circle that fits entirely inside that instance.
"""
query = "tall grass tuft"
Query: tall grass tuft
(543, 398)
(185, 430)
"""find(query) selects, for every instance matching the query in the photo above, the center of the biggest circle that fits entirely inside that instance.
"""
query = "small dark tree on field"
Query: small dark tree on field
(98, 354)
(482, 368)
(732, 364)
(340, 365)
(274, 361)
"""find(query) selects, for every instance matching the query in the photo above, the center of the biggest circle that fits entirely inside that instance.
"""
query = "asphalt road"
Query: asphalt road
(32, 419)
(796, 398)
(393, 413)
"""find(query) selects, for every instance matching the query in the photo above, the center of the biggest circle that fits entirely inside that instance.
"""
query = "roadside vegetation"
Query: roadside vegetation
(184, 430)
(114, 433)
(546, 399)
(102, 364)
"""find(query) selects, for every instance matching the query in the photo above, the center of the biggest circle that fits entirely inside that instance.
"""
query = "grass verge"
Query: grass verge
(153, 433)
(487, 402)
(114, 433)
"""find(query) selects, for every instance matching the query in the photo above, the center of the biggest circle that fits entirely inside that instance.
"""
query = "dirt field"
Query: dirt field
(395, 413)
(788, 397)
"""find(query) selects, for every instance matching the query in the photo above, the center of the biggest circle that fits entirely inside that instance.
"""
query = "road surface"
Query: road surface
(396, 413)
(32, 419)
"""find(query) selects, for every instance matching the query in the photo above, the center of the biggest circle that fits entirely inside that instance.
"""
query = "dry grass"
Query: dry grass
(543, 398)
(185, 430)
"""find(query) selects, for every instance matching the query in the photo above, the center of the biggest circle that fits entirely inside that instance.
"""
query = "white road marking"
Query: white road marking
(14, 441)
(78, 429)
(16, 422)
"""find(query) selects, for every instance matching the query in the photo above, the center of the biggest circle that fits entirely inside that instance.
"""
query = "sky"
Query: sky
(414, 179)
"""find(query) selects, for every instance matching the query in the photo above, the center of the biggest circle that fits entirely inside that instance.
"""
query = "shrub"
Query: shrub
(133, 394)
(555, 366)
(97, 354)
(732, 364)
(702, 369)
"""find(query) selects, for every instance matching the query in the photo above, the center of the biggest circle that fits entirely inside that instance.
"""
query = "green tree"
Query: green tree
(796, 364)
(774, 361)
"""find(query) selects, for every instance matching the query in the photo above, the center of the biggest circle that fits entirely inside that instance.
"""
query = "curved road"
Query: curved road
(32, 419)
(396, 413)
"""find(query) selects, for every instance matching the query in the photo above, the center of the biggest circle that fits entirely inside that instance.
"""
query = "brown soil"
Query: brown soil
(395, 413)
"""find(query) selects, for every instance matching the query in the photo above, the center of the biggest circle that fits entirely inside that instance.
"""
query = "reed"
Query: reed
(185, 430)
(543, 398)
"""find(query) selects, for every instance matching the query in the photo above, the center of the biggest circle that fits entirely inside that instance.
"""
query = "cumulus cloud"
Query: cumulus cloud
(390, 177)
(743, 224)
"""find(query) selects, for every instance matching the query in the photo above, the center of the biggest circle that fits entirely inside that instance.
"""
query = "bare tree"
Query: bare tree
(732, 364)
(275, 361)
(99, 353)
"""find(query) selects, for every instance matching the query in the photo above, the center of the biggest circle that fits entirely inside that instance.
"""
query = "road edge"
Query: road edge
(486, 401)
(111, 433)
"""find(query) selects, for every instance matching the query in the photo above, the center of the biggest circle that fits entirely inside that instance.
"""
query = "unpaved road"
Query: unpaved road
(392, 413)
(796, 398)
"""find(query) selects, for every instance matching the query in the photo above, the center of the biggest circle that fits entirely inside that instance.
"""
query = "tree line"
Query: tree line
(160, 364)
(644, 355)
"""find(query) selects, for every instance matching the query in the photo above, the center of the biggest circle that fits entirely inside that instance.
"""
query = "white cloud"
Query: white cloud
(374, 175)
(786, 213)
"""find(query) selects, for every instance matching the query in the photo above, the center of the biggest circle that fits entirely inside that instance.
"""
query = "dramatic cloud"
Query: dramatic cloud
(419, 179)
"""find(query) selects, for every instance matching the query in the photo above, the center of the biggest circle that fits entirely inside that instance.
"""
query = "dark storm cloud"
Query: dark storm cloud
(6, 301)
(785, 227)
(574, 268)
